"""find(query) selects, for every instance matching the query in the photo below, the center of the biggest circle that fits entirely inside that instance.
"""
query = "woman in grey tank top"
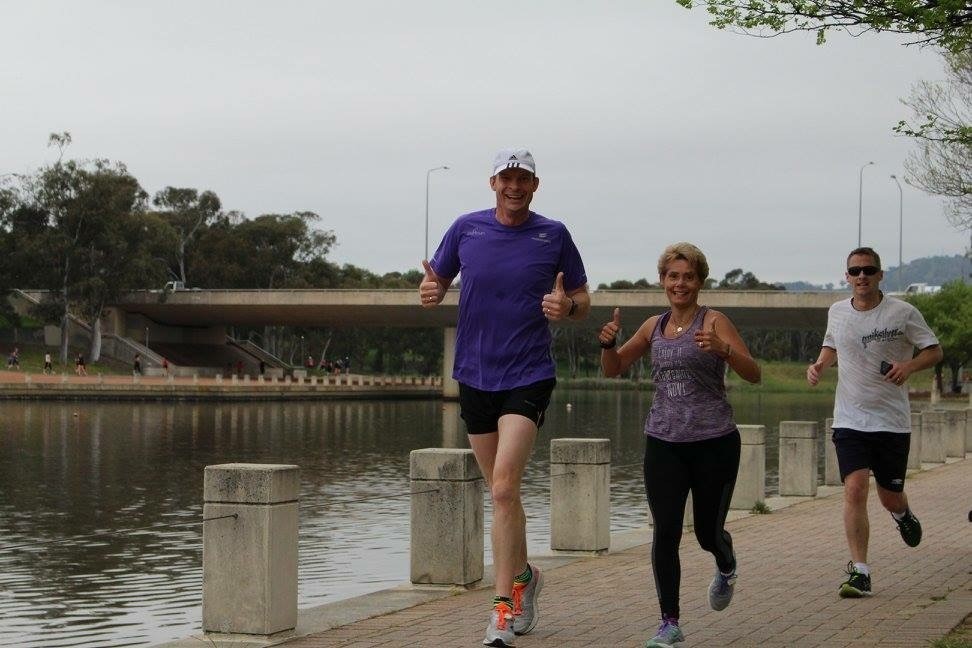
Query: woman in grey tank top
(692, 444)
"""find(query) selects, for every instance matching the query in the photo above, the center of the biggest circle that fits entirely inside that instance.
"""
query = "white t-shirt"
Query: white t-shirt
(889, 332)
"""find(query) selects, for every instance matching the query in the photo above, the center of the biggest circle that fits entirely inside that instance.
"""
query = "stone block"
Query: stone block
(580, 502)
(933, 436)
(914, 449)
(250, 560)
(447, 520)
(751, 478)
(831, 467)
(798, 458)
(954, 433)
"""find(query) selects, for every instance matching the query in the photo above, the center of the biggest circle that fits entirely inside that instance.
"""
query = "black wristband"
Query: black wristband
(608, 345)
(573, 307)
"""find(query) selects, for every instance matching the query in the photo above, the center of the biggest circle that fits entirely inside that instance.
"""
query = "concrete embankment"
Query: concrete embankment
(20, 386)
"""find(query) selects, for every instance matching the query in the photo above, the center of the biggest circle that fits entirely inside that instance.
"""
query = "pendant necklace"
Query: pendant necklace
(679, 327)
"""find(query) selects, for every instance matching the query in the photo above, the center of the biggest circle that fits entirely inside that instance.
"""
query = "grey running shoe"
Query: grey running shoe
(525, 608)
(721, 590)
(668, 635)
(857, 584)
(499, 632)
(910, 528)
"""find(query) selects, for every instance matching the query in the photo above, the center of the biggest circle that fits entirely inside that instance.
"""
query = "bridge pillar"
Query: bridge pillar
(450, 388)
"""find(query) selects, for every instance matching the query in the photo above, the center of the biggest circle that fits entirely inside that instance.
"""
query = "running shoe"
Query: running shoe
(721, 589)
(669, 635)
(525, 608)
(857, 584)
(910, 528)
(499, 632)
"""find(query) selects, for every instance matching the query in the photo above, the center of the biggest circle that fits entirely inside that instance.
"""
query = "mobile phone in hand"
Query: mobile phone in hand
(885, 367)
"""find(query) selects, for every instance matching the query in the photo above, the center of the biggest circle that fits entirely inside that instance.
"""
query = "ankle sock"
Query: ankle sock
(900, 516)
(525, 577)
(862, 568)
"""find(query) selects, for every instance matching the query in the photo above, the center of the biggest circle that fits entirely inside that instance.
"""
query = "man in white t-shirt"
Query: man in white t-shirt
(873, 337)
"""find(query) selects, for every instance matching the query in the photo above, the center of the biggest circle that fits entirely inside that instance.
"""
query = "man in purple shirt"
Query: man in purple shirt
(519, 271)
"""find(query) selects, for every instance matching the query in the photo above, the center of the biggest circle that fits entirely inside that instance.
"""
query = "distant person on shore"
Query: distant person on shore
(520, 271)
(13, 360)
(692, 443)
(263, 367)
(872, 338)
(165, 367)
(79, 367)
(48, 364)
(137, 365)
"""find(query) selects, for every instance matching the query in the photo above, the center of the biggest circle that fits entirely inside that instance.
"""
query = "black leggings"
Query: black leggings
(709, 469)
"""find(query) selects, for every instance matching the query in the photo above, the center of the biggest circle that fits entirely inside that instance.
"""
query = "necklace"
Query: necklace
(679, 327)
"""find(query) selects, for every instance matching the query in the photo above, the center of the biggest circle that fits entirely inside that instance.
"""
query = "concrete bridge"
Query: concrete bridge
(747, 308)
(201, 316)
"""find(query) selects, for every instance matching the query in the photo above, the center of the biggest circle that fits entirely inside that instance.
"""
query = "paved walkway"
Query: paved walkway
(791, 563)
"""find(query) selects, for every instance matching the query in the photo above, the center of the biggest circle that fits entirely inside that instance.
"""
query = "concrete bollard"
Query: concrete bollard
(250, 563)
(968, 429)
(914, 450)
(954, 433)
(932, 436)
(751, 478)
(447, 517)
(798, 458)
(580, 502)
(831, 467)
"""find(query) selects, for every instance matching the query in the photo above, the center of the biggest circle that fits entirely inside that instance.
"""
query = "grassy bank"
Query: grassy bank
(32, 361)
(778, 377)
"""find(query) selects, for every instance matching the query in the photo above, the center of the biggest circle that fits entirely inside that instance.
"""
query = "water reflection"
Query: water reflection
(96, 470)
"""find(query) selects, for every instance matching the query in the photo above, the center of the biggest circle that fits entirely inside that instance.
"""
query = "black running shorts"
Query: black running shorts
(481, 410)
(885, 453)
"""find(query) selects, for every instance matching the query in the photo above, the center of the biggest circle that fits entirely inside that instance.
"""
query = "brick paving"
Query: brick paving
(790, 563)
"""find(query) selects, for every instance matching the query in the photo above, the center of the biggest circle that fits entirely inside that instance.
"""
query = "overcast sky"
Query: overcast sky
(648, 125)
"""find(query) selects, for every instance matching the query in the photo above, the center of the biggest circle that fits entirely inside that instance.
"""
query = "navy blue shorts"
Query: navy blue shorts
(884, 453)
(481, 410)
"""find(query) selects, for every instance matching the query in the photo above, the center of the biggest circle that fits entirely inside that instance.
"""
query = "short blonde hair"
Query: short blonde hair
(685, 252)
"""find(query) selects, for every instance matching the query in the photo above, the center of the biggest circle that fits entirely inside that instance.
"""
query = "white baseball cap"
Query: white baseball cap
(514, 158)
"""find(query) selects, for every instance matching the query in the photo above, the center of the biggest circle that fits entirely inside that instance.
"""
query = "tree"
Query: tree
(737, 279)
(949, 314)
(187, 211)
(944, 23)
(942, 164)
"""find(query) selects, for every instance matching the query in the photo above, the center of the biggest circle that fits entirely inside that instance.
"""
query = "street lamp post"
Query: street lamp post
(860, 201)
(900, 228)
(428, 174)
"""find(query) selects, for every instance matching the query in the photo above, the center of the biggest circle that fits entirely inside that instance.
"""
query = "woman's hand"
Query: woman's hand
(609, 332)
(710, 342)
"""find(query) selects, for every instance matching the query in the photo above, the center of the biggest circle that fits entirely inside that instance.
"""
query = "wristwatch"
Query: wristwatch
(573, 307)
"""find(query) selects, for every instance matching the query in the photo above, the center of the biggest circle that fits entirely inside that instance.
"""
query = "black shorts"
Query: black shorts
(481, 410)
(885, 453)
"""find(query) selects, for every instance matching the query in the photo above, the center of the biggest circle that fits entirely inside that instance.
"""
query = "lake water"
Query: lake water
(100, 503)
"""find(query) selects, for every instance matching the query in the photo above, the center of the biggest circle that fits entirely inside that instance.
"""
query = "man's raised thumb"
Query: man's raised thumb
(559, 282)
(617, 317)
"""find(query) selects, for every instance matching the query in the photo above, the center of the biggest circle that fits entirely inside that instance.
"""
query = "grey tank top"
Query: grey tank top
(690, 394)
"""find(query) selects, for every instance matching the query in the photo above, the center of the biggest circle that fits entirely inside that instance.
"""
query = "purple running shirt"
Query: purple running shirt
(690, 394)
(503, 339)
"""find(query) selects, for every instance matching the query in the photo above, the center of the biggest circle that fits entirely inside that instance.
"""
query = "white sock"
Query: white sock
(900, 516)
(862, 568)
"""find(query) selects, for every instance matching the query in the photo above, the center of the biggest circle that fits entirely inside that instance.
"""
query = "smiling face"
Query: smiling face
(514, 190)
(865, 287)
(682, 283)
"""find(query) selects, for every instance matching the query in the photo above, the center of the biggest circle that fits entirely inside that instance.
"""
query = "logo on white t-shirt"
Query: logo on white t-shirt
(884, 335)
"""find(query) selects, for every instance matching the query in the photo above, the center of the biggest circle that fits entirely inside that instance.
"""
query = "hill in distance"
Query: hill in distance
(934, 271)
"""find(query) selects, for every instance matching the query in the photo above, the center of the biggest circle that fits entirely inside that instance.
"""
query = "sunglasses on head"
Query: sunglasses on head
(867, 270)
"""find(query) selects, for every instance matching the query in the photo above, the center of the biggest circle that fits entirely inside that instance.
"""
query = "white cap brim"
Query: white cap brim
(515, 165)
